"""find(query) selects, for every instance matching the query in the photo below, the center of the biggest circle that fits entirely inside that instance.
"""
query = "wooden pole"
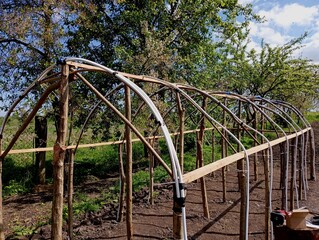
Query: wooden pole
(241, 182)
(300, 162)
(122, 183)
(1, 201)
(255, 126)
(58, 158)
(224, 153)
(213, 149)
(177, 218)
(129, 168)
(265, 157)
(200, 160)
(181, 111)
(292, 178)
(312, 156)
(70, 193)
(151, 169)
(284, 176)
(240, 163)
(267, 196)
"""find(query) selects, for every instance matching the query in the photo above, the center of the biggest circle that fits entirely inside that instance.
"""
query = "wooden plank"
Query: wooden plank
(198, 173)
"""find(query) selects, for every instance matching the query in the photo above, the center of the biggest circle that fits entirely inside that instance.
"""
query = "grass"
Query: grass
(312, 117)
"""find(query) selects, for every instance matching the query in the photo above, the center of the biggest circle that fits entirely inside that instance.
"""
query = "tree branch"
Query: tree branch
(27, 45)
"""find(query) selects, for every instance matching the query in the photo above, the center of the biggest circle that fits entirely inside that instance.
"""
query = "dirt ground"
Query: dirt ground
(155, 221)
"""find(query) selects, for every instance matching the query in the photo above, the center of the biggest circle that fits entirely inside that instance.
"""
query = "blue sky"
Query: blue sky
(286, 20)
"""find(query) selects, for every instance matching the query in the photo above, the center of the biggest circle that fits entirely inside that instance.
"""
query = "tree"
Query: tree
(276, 73)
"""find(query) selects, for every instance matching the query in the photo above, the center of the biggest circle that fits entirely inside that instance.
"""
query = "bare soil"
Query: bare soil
(155, 221)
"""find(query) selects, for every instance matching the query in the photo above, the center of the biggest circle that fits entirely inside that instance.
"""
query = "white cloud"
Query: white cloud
(311, 49)
(244, 2)
(270, 35)
(291, 14)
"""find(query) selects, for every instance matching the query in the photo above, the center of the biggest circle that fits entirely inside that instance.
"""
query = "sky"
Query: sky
(286, 20)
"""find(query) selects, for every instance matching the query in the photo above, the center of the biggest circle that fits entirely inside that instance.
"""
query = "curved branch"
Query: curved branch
(27, 45)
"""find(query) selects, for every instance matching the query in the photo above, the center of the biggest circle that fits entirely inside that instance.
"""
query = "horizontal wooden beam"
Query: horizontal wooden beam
(202, 171)
(48, 149)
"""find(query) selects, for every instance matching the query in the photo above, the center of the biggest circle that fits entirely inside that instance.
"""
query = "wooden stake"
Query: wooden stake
(200, 160)
(267, 196)
(1, 201)
(129, 168)
(213, 149)
(177, 219)
(241, 182)
(283, 176)
(70, 193)
(224, 153)
(293, 174)
(255, 126)
(312, 156)
(240, 163)
(181, 111)
(300, 162)
(151, 169)
(58, 159)
(122, 182)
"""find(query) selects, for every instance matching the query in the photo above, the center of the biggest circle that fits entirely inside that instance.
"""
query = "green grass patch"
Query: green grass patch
(312, 117)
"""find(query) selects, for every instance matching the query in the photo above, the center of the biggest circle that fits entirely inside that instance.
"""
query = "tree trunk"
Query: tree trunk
(40, 142)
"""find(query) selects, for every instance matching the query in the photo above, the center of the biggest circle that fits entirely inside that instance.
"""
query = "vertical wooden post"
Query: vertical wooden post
(177, 218)
(181, 112)
(213, 150)
(283, 176)
(267, 197)
(312, 156)
(151, 169)
(300, 163)
(293, 174)
(40, 142)
(255, 126)
(129, 168)
(1, 201)
(265, 157)
(241, 182)
(240, 163)
(70, 193)
(224, 153)
(122, 183)
(200, 160)
(58, 158)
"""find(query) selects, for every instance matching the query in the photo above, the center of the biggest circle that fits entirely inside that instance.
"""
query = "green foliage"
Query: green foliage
(83, 203)
(312, 117)
(15, 188)
(276, 73)
(20, 230)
